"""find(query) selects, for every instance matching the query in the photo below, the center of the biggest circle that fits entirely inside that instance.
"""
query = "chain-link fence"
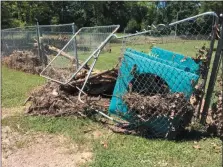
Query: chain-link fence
(212, 111)
(17, 39)
(27, 38)
(83, 49)
(163, 74)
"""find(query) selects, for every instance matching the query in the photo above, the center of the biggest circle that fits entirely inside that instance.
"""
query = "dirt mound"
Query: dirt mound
(26, 61)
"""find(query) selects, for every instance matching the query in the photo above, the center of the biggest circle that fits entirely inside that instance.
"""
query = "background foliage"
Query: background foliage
(133, 15)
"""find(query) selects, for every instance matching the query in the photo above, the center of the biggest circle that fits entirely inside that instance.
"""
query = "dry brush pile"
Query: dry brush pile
(57, 100)
(215, 117)
(146, 107)
(26, 61)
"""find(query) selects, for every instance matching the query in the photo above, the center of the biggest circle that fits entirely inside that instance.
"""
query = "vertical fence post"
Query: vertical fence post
(13, 41)
(209, 56)
(38, 40)
(212, 77)
(75, 47)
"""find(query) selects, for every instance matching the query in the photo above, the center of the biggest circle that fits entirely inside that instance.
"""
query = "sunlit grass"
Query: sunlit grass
(16, 85)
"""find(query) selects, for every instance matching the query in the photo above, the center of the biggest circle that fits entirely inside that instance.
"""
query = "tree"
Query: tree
(216, 6)
(83, 13)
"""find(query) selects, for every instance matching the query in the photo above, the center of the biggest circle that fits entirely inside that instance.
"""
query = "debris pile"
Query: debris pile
(215, 117)
(26, 61)
(156, 108)
(57, 100)
(147, 107)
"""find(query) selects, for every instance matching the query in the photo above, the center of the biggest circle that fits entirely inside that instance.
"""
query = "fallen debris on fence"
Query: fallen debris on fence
(160, 110)
(57, 100)
(54, 100)
(151, 106)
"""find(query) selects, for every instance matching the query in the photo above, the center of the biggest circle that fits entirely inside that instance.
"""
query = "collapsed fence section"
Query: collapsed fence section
(163, 73)
(163, 76)
(79, 54)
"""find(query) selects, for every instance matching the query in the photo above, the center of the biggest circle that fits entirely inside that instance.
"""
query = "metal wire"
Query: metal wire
(25, 38)
(159, 77)
(87, 41)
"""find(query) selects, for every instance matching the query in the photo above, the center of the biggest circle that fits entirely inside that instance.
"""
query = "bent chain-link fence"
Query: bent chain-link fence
(81, 50)
(163, 73)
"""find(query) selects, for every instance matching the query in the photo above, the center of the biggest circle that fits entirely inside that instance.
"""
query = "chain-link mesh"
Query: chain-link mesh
(85, 45)
(17, 39)
(162, 75)
(212, 113)
(214, 118)
(26, 38)
(56, 35)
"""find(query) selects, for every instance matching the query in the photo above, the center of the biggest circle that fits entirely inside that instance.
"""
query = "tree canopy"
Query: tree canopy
(131, 15)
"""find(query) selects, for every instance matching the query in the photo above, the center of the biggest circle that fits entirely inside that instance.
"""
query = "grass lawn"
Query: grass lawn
(109, 60)
(124, 150)
(109, 149)
(16, 85)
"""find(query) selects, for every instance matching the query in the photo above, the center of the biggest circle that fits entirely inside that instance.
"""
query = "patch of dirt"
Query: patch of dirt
(94, 134)
(40, 150)
(6, 112)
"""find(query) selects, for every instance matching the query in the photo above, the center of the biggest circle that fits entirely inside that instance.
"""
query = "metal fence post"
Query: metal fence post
(38, 40)
(209, 55)
(212, 77)
(75, 47)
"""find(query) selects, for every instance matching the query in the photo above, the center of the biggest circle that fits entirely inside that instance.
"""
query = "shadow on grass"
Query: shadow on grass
(183, 135)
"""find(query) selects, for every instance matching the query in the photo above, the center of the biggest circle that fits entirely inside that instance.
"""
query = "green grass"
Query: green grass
(123, 150)
(109, 60)
(134, 151)
(69, 126)
(16, 85)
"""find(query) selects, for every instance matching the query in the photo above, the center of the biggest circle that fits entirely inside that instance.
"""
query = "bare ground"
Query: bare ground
(40, 150)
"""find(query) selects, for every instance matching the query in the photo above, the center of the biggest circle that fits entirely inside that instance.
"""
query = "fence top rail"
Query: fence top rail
(94, 27)
(23, 28)
(194, 17)
(171, 24)
(57, 25)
